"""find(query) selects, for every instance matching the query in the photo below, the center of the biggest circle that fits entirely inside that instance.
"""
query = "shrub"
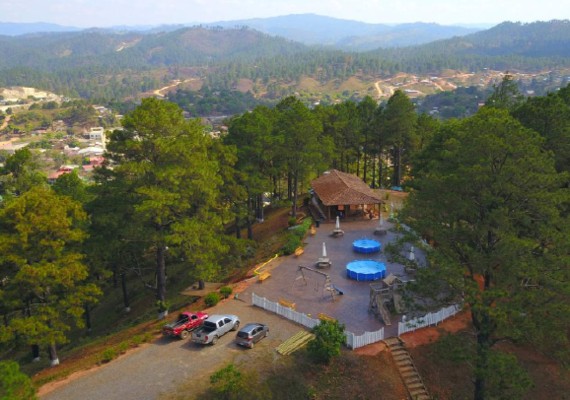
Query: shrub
(292, 221)
(292, 243)
(329, 335)
(123, 347)
(14, 384)
(295, 237)
(229, 383)
(212, 299)
(108, 355)
(226, 291)
(162, 306)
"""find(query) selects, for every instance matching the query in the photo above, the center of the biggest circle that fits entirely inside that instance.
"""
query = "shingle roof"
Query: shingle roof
(335, 188)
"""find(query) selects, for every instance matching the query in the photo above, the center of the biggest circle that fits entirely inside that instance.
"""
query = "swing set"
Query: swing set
(327, 285)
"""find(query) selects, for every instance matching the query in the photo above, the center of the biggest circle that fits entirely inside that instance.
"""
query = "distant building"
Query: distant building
(97, 133)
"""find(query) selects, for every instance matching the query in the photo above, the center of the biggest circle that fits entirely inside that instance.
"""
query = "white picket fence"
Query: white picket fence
(286, 312)
(428, 319)
(352, 341)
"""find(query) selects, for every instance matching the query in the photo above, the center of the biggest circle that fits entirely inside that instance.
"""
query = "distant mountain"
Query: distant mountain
(16, 28)
(343, 34)
(309, 29)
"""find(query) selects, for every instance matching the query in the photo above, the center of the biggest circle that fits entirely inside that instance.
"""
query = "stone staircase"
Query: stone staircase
(408, 371)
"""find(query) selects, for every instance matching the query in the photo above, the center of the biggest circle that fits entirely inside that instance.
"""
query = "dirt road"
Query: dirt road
(5, 122)
(160, 368)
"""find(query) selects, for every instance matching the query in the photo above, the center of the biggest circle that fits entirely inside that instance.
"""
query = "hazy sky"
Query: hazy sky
(99, 13)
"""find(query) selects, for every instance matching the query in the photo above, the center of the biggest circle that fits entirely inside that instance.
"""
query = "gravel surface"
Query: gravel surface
(159, 368)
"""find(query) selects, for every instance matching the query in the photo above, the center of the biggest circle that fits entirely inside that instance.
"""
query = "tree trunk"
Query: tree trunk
(397, 166)
(294, 210)
(248, 220)
(238, 230)
(260, 216)
(380, 172)
(482, 365)
(35, 353)
(54, 360)
(373, 173)
(87, 317)
(275, 188)
(364, 167)
(125, 293)
(201, 284)
(161, 278)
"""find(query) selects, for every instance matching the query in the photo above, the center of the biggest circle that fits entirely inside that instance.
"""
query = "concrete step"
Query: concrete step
(393, 341)
(412, 378)
(416, 386)
(419, 395)
(413, 381)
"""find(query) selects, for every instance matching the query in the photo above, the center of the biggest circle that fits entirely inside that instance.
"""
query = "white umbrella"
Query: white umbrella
(337, 227)
(324, 250)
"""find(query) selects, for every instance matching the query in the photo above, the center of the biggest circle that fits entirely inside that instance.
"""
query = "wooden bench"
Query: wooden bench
(287, 303)
(325, 317)
(263, 276)
(299, 251)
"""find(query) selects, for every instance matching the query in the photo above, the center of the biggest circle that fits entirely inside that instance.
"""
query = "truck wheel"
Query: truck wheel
(236, 326)
(184, 334)
(214, 340)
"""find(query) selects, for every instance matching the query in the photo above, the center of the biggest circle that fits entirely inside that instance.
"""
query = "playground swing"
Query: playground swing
(328, 286)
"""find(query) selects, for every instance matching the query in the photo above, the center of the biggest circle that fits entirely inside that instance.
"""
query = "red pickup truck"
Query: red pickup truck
(186, 322)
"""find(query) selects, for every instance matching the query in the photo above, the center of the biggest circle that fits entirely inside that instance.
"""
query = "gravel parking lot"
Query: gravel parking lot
(160, 368)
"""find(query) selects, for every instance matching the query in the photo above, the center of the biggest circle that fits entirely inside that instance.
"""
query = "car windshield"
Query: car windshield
(244, 335)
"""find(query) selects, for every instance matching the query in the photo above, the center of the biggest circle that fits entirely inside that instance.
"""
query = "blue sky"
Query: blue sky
(102, 13)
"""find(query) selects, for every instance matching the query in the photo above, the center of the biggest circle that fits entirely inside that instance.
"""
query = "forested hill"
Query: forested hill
(187, 46)
(507, 45)
(104, 64)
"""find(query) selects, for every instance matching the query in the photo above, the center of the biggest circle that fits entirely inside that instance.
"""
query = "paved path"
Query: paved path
(350, 308)
(161, 367)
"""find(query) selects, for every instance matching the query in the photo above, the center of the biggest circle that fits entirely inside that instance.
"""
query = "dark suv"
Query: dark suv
(251, 334)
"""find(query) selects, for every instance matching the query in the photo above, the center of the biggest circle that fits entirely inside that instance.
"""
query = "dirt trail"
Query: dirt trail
(158, 92)
(5, 122)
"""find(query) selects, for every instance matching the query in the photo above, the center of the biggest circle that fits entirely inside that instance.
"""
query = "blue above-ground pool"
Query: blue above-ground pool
(366, 246)
(366, 270)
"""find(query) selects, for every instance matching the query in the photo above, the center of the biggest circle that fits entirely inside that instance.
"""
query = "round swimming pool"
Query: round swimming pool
(366, 246)
(366, 270)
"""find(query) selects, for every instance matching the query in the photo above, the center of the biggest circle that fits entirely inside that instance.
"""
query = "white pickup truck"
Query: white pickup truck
(215, 327)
